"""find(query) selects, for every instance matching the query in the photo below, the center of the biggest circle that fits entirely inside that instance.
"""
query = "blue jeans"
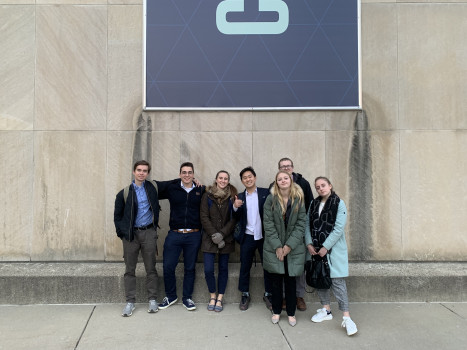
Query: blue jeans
(174, 244)
(223, 273)
(247, 252)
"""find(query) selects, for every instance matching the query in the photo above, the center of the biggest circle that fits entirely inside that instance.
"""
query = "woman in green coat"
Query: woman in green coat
(284, 248)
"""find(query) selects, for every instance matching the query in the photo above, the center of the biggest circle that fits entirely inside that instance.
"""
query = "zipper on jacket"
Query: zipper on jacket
(130, 229)
(186, 207)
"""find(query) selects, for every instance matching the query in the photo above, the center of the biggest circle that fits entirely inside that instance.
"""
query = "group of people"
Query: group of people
(284, 223)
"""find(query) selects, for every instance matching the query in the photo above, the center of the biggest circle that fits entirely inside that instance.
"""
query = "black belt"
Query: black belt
(142, 228)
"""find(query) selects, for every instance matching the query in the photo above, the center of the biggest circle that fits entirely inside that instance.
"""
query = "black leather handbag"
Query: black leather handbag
(317, 272)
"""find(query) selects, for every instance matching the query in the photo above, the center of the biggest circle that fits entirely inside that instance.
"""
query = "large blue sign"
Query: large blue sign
(243, 54)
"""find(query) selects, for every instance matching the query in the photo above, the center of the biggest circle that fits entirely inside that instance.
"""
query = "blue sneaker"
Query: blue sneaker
(189, 304)
(166, 302)
(128, 310)
(152, 306)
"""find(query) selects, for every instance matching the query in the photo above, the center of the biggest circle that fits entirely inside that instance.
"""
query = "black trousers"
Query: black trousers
(247, 253)
(279, 280)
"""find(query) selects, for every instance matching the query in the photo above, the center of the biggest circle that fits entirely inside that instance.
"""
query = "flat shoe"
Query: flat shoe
(275, 318)
(219, 308)
(211, 307)
(292, 321)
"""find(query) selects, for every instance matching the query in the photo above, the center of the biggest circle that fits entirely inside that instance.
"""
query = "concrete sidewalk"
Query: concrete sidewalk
(100, 326)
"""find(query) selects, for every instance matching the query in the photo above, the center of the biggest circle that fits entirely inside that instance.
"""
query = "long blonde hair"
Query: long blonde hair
(295, 192)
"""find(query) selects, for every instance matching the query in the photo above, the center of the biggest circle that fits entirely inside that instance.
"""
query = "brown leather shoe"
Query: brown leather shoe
(301, 305)
(244, 303)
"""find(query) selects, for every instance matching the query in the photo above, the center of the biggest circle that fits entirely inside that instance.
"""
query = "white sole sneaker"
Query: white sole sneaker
(152, 309)
(349, 326)
(165, 303)
(128, 310)
(321, 315)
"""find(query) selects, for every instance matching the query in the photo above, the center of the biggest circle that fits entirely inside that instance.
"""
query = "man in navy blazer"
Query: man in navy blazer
(248, 206)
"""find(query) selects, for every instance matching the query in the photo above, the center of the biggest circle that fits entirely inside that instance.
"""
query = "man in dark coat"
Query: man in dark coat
(249, 210)
(136, 216)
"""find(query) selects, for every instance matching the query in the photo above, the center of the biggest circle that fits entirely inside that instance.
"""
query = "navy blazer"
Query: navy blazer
(241, 212)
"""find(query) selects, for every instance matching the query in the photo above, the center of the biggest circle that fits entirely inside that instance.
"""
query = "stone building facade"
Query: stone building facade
(71, 126)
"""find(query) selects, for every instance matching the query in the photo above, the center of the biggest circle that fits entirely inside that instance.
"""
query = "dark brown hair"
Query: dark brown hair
(142, 162)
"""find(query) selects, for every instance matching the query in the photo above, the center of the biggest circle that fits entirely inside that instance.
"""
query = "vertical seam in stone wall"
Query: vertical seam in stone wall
(34, 180)
(399, 129)
(180, 142)
(106, 228)
(107, 70)
(397, 66)
(253, 133)
(326, 166)
(106, 131)
(252, 142)
(400, 199)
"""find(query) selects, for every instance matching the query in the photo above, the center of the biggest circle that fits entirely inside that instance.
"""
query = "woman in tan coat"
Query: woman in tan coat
(218, 225)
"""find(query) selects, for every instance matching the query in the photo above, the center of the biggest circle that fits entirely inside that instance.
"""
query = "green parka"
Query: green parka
(276, 236)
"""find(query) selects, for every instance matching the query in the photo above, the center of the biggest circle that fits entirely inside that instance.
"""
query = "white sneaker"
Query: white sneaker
(349, 325)
(322, 315)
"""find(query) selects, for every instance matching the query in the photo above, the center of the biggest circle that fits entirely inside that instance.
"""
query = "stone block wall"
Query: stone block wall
(71, 127)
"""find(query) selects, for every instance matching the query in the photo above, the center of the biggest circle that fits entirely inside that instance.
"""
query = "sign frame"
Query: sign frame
(147, 107)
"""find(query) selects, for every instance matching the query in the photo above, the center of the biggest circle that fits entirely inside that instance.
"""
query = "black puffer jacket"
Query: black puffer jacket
(306, 188)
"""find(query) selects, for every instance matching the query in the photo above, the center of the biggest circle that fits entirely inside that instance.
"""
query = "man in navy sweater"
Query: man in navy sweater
(184, 234)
